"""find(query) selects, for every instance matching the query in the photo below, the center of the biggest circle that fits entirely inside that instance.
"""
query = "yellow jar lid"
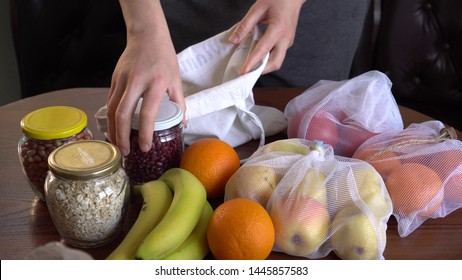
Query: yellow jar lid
(54, 122)
(84, 160)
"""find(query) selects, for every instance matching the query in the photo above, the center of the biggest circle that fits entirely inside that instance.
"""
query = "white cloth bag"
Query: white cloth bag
(219, 101)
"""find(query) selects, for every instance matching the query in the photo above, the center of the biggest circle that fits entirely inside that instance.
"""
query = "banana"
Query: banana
(195, 247)
(157, 198)
(189, 197)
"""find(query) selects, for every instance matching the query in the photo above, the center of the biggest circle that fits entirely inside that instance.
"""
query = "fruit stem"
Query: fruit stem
(318, 147)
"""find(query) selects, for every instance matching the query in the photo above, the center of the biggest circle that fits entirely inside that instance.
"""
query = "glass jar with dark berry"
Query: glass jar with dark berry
(167, 145)
(44, 130)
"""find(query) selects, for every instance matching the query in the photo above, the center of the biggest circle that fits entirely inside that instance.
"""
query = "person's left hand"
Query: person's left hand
(281, 18)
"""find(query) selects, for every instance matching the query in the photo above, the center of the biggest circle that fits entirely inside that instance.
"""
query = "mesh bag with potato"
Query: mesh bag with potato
(318, 202)
(422, 170)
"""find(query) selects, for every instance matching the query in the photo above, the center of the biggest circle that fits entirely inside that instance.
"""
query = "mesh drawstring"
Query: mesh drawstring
(445, 134)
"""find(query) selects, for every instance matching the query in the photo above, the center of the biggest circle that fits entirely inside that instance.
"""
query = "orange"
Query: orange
(453, 190)
(448, 164)
(414, 187)
(213, 162)
(445, 163)
(240, 229)
(383, 162)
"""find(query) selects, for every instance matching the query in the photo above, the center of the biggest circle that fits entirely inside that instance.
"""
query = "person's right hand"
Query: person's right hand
(148, 68)
(281, 19)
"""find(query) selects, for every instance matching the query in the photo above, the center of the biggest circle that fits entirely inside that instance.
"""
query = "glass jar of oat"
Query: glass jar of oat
(167, 144)
(44, 130)
(87, 192)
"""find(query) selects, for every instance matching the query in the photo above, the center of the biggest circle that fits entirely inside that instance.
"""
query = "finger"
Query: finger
(264, 46)
(115, 94)
(175, 93)
(275, 60)
(123, 117)
(246, 25)
(147, 118)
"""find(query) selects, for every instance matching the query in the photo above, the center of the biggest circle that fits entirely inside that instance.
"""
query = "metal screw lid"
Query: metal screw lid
(54, 122)
(84, 160)
(168, 115)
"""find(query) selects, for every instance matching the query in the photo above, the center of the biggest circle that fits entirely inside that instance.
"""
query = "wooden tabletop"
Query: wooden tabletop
(25, 222)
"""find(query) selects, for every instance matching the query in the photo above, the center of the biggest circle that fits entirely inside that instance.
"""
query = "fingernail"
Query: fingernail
(234, 38)
(145, 148)
(124, 152)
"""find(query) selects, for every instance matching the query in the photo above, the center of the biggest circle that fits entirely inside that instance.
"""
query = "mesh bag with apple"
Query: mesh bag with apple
(344, 114)
(318, 202)
(422, 170)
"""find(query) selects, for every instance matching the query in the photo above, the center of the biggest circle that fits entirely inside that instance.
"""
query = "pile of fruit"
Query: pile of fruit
(293, 196)
(318, 203)
(174, 218)
(172, 223)
(422, 169)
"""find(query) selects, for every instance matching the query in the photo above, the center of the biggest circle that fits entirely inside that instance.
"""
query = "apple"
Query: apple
(355, 236)
(323, 126)
(350, 138)
(292, 145)
(293, 124)
(301, 224)
(255, 182)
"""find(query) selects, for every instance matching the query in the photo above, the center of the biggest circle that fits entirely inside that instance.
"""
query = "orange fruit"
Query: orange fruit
(384, 162)
(445, 163)
(213, 162)
(240, 229)
(448, 164)
(414, 187)
(453, 190)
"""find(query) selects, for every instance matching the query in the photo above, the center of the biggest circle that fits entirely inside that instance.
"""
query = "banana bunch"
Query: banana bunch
(173, 220)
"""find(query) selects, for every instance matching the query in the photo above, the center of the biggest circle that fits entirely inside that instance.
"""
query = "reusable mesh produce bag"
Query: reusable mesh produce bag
(346, 113)
(422, 170)
(318, 202)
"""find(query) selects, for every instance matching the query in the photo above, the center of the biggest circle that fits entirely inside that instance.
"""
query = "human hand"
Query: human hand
(147, 68)
(281, 18)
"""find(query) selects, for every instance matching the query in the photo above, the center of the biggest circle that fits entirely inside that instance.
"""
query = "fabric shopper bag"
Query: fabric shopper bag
(219, 101)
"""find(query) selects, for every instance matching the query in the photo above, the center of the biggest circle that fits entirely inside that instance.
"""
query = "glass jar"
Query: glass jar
(167, 145)
(44, 130)
(87, 192)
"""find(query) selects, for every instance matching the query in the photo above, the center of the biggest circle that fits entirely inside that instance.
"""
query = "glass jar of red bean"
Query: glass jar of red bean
(43, 131)
(167, 145)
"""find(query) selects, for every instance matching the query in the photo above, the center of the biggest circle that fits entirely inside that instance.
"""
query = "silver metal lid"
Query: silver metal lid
(169, 115)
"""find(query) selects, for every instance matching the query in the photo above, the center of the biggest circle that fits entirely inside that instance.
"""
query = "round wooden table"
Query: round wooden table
(25, 222)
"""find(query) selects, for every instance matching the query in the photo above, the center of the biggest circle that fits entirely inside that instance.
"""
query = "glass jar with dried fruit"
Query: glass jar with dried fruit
(167, 145)
(44, 130)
